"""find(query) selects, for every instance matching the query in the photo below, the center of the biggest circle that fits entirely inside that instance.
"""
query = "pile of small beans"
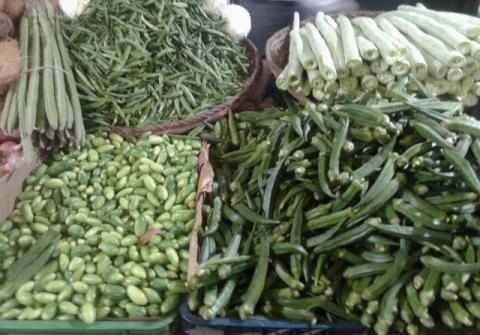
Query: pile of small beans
(124, 209)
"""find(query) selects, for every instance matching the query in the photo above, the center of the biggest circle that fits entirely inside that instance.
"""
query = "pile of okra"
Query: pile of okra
(364, 210)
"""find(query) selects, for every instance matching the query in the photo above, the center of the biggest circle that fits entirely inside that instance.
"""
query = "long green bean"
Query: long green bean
(152, 62)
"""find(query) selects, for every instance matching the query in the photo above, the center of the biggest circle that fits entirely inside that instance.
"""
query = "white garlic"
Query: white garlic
(238, 22)
(216, 6)
(73, 8)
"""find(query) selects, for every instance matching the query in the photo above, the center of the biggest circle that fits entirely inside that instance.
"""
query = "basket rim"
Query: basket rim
(283, 33)
(216, 112)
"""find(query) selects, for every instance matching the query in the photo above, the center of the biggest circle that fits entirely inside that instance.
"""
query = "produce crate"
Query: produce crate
(164, 326)
(12, 186)
(195, 325)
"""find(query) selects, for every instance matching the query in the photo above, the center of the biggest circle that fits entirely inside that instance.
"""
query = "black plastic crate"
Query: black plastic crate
(192, 322)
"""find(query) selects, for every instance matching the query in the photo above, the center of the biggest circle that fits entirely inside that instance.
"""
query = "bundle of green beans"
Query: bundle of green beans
(145, 62)
(44, 102)
(102, 232)
(344, 56)
(365, 210)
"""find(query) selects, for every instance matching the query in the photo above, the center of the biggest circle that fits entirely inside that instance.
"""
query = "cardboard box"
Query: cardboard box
(205, 185)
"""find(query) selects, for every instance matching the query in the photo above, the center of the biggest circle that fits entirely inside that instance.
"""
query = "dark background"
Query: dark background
(268, 16)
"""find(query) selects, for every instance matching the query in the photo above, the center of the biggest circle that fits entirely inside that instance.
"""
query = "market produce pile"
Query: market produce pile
(346, 56)
(365, 210)
(43, 103)
(139, 63)
(102, 232)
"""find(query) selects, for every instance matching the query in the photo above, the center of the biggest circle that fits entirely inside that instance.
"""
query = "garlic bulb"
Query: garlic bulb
(237, 21)
(73, 8)
(216, 6)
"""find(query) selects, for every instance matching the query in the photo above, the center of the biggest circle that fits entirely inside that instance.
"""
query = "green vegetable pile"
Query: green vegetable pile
(102, 232)
(365, 210)
(43, 103)
(146, 62)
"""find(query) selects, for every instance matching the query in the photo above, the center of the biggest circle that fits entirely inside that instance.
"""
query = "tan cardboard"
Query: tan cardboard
(11, 186)
(205, 185)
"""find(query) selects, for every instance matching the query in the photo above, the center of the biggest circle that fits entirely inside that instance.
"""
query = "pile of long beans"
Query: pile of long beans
(344, 56)
(365, 210)
(145, 62)
(44, 102)
(102, 232)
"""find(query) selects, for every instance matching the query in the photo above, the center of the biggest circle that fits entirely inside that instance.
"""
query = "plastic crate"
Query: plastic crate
(195, 325)
(167, 325)
(191, 324)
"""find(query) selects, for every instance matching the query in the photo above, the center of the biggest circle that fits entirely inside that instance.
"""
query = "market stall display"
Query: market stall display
(102, 232)
(365, 211)
(347, 55)
(148, 63)
(356, 204)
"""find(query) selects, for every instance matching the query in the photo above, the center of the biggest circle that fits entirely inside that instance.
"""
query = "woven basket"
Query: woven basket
(277, 48)
(183, 126)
